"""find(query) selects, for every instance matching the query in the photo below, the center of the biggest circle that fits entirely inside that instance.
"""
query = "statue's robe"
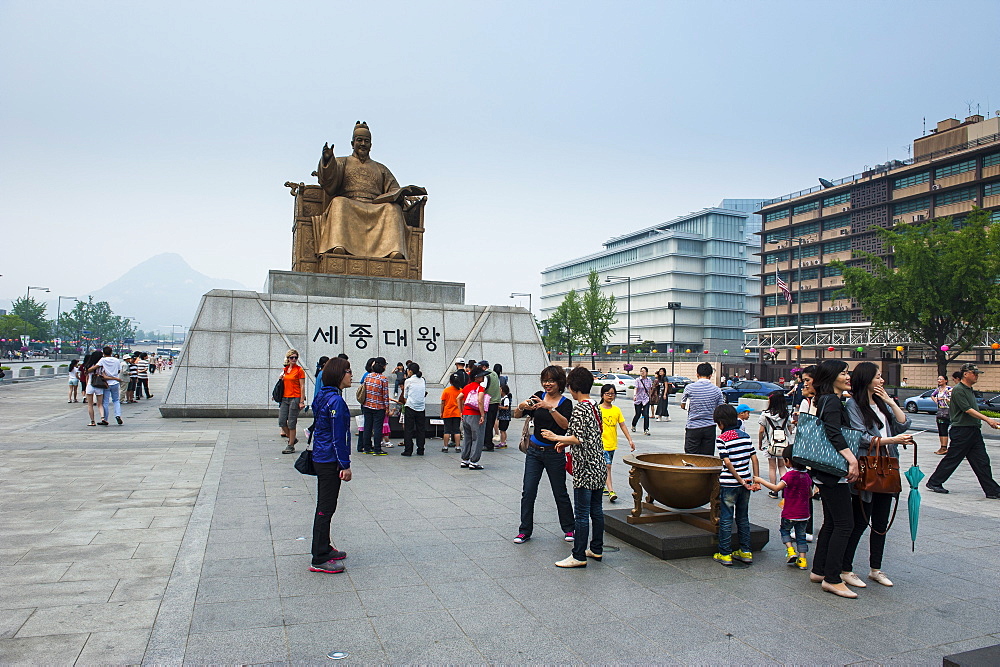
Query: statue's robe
(352, 220)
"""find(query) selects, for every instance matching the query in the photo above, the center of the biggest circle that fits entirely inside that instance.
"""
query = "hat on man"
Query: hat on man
(460, 360)
(743, 407)
(971, 368)
(484, 364)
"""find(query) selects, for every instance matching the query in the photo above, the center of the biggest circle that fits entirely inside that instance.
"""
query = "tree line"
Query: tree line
(89, 323)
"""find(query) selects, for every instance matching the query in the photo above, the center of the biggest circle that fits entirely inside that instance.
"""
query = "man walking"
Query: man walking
(700, 398)
(112, 369)
(493, 390)
(142, 376)
(966, 437)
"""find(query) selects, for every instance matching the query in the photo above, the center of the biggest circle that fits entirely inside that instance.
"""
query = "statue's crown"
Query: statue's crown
(360, 127)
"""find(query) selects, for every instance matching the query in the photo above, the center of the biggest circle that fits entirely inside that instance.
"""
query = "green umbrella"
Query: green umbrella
(913, 476)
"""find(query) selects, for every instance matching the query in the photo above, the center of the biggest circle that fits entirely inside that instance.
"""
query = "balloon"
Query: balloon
(671, 350)
(655, 351)
(861, 349)
(945, 348)
(995, 346)
(725, 352)
(831, 348)
(747, 351)
(688, 350)
(798, 347)
(706, 351)
(899, 348)
(773, 351)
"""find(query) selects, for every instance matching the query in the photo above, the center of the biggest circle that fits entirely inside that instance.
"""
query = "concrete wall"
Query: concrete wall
(237, 342)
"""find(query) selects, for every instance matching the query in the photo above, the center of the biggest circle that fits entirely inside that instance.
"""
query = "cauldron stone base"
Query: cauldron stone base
(668, 540)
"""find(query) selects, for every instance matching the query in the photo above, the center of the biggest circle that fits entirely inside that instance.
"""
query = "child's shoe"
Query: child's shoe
(725, 559)
(744, 556)
(801, 563)
(789, 553)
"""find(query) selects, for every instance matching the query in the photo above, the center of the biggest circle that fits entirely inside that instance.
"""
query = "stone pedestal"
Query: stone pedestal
(234, 350)
(673, 539)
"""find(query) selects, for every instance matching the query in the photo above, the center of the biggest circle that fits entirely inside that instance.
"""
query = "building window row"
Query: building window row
(836, 318)
(775, 257)
(831, 271)
(957, 168)
(806, 320)
(774, 237)
(806, 229)
(991, 189)
(836, 223)
(921, 204)
(963, 194)
(836, 246)
(776, 215)
(805, 208)
(910, 181)
(842, 198)
(991, 160)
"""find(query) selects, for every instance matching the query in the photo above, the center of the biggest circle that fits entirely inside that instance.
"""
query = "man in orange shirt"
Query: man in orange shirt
(451, 415)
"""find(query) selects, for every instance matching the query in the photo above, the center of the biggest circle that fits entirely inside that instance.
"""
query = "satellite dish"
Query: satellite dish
(825, 183)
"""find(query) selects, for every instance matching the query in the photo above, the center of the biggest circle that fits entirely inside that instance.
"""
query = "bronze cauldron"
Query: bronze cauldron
(677, 481)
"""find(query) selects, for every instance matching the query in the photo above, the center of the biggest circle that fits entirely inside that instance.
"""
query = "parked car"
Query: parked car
(624, 384)
(924, 403)
(734, 393)
(679, 382)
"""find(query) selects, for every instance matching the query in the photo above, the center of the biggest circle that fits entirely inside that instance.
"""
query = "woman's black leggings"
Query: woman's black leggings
(641, 410)
(877, 513)
(838, 523)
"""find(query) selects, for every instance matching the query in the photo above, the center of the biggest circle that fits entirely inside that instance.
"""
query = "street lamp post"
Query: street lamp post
(59, 310)
(628, 320)
(27, 295)
(514, 294)
(673, 306)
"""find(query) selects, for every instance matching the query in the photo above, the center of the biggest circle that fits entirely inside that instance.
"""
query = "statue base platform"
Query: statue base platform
(236, 345)
(668, 540)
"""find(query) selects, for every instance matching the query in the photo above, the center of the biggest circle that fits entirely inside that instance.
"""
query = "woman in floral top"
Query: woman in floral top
(942, 398)
(589, 469)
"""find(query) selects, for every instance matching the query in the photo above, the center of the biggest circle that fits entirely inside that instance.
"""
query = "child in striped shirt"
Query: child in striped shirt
(736, 481)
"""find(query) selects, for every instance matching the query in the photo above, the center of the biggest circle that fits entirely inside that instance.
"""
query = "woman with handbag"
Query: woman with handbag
(829, 382)
(874, 493)
(772, 437)
(93, 393)
(661, 390)
(331, 459)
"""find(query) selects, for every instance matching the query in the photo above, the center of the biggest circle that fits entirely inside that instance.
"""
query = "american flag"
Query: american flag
(783, 286)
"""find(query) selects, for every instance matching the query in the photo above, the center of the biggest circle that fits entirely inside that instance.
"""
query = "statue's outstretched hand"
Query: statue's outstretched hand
(327, 151)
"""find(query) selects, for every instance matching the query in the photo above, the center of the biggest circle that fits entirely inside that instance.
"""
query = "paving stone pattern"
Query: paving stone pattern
(186, 541)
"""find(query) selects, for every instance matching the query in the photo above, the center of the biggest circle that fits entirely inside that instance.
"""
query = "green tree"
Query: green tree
(599, 313)
(96, 317)
(11, 329)
(32, 312)
(565, 326)
(943, 288)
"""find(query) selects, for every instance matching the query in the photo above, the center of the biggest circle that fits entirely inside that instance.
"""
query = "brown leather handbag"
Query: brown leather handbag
(525, 435)
(878, 473)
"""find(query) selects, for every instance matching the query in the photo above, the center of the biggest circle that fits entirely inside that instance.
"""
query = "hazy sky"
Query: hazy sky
(540, 129)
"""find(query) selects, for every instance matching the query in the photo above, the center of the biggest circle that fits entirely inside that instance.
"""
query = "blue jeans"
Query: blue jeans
(112, 395)
(553, 463)
(734, 503)
(589, 509)
(799, 527)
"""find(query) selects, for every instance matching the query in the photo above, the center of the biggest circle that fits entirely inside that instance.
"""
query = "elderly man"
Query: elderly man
(365, 214)
(966, 438)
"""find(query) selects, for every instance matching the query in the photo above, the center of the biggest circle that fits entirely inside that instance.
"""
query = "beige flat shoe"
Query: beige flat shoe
(815, 578)
(840, 590)
(852, 579)
(571, 562)
(878, 576)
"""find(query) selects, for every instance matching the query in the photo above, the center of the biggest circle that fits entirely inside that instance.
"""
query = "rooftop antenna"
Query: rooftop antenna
(924, 133)
(968, 106)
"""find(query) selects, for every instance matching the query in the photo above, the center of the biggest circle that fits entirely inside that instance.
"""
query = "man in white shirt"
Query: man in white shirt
(111, 368)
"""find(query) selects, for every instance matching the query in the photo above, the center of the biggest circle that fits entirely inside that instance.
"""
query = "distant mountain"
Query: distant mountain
(163, 290)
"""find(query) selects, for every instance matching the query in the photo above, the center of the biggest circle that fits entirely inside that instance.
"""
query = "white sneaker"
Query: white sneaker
(571, 562)
(809, 537)
(878, 576)
(657, 419)
(666, 419)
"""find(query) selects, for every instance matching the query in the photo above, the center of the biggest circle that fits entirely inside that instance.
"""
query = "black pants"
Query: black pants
(414, 426)
(140, 384)
(641, 410)
(966, 443)
(491, 420)
(327, 493)
(700, 440)
(373, 423)
(838, 523)
(663, 406)
(877, 513)
(553, 463)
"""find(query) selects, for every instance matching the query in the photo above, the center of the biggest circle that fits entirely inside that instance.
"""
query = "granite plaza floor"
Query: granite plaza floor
(183, 541)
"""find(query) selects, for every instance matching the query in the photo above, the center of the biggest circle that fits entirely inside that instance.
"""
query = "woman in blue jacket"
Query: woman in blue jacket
(331, 456)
